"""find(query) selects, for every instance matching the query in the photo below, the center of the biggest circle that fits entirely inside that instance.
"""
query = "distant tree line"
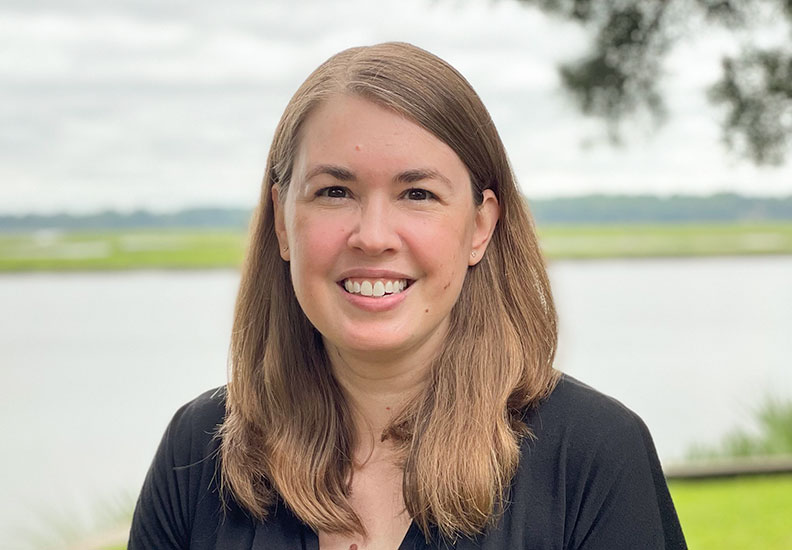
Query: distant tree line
(209, 218)
(722, 207)
(595, 209)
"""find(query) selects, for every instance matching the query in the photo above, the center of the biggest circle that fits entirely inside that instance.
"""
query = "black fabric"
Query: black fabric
(589, 479)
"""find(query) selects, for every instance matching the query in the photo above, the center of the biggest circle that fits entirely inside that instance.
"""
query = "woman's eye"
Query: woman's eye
(418, 194)
(333, 192)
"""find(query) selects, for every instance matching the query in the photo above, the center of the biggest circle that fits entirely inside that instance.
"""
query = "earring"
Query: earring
(473, 253)
(285, 248)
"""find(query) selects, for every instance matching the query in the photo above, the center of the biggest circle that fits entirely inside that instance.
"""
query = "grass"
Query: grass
(668, 240)
(119, 250)
(201, 249)
(736, 514)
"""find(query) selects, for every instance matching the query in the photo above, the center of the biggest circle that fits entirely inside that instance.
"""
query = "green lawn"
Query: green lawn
(200, 249)
(736, 514)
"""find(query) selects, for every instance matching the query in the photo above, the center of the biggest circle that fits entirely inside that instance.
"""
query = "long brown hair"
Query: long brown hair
(288, 430)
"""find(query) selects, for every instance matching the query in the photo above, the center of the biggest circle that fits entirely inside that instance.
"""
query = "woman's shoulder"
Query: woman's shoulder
(585, 425)
(193, 429)
(207, 407)
(181, 484)
(591, 461)
(575, 407)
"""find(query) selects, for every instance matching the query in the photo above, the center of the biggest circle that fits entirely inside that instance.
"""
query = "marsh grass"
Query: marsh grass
(664, 240)
(104, 528)
(121, 250)
(773, 435)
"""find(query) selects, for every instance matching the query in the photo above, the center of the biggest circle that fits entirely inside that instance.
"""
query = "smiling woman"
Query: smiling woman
(392, 381)
(393, 206)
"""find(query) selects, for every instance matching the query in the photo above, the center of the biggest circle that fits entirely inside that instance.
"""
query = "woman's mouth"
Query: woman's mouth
(374, 287)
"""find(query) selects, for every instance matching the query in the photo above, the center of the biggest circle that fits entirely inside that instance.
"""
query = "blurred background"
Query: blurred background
(651, 139)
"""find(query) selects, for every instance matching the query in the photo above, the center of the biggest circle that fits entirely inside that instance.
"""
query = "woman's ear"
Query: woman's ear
(487, 214)
(280, 224)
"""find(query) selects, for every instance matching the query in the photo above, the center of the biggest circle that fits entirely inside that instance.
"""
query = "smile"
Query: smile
(376, 287)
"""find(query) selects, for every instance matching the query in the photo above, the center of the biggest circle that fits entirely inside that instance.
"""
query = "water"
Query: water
(693, 345)
(94, 365)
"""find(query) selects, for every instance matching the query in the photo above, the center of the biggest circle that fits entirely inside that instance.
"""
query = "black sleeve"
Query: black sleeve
(160, 518)
(624, 500)
(181, 478)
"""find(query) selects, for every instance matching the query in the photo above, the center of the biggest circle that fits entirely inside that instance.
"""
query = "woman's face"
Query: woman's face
(380, 225)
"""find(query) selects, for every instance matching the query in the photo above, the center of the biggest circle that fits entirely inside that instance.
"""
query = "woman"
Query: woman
(391, 378)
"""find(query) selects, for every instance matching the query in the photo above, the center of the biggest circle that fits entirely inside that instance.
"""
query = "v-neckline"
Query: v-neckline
(413, 534)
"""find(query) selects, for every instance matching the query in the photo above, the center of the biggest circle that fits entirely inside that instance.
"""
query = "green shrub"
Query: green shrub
(774, 437)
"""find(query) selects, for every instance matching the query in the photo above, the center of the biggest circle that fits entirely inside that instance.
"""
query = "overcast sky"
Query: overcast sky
(149, 104)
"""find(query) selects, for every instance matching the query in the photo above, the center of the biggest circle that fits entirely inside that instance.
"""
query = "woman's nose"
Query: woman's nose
(375, 232)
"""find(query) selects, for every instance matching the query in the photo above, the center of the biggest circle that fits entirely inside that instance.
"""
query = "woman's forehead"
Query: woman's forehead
(350, 131)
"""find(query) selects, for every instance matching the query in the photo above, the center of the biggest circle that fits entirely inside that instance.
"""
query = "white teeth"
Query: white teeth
(377, 288)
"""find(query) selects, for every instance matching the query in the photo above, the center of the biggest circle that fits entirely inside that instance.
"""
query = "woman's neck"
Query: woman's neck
(377, 390)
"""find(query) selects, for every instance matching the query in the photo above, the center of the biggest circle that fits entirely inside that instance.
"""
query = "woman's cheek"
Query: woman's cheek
(323, 237)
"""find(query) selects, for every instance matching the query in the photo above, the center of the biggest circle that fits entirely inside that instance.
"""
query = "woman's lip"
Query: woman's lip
(373, 274)
(374, 304)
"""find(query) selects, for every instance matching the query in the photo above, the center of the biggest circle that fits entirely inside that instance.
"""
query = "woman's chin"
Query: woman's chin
(374, 345)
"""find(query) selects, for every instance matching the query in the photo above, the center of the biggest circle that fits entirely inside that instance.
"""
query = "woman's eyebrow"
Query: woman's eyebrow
(420, 174)
(336, 172)
(406, 177)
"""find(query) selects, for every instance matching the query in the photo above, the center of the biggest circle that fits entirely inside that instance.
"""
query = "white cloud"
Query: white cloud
(128, 104)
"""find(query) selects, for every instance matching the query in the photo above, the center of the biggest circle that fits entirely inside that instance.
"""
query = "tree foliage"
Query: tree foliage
(621, 74)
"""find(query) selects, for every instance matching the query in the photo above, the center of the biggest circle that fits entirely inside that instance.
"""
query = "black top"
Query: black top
(589, 480)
